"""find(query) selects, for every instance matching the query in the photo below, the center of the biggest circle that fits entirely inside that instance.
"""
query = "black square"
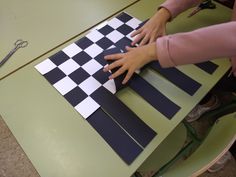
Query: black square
(54, 75)
(104, 43)
(106, 30)
(122, 43)
(81, 58)
(84, 42)
(75, 96)
(124, 17)
(59, 58)
(79, 75)
(125, 29)
(101, 76)
(100, 59)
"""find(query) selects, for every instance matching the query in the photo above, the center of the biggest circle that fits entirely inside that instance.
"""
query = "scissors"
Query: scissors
(207, 4)
(18, 44)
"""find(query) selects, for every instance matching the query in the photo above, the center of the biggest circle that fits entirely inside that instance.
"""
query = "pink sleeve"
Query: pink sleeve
(233, 59)
(175, 7)
(197, 46)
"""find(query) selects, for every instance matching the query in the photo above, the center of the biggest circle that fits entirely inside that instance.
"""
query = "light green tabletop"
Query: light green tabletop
(47, 24)
(59, 142)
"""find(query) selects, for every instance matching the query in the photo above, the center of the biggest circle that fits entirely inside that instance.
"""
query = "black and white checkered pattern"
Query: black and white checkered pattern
(76, 71)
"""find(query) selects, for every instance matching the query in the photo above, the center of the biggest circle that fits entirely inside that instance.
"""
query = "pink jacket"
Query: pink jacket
(199, 45)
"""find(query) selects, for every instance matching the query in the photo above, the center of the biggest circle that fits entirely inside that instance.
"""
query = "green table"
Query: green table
(59, 142)
(48, 24)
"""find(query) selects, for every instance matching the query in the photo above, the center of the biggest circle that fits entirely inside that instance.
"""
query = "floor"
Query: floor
(14, 162)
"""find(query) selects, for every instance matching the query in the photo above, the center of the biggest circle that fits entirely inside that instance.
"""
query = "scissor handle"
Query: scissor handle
(20, 43)
(208, 4)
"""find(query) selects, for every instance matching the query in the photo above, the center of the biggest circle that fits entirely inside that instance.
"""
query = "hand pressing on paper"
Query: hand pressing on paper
(155, 27)
(133, 59)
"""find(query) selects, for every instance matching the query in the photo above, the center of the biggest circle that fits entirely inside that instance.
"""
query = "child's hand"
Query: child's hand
(155, 27)
(134, 59)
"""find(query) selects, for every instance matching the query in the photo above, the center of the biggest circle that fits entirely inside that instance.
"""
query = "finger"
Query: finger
(128, 76)
(112, 66)
(153, 39)
(114, 56)
(136, 32)
(117, 73)
(137, 39)
(129, 48)
(144, 40)
(159, 35)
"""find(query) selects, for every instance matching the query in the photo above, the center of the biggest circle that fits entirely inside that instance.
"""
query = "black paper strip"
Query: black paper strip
(178, 78)
(159, 101)
(113, 134)
(207, 66)
(128, 120)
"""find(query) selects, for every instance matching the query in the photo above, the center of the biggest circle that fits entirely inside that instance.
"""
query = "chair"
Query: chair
(162, 162)
(221, 136)
(165, 151)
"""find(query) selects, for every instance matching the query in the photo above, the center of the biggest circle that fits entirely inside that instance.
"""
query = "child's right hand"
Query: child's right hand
(155, 27)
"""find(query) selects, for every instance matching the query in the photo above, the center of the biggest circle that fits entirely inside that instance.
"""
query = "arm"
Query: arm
(156, 26)
(183, 48)
(175, 7)
(197, 46)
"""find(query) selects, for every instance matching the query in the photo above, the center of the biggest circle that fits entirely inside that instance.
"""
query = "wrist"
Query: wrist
(164, 14)
(151, 51)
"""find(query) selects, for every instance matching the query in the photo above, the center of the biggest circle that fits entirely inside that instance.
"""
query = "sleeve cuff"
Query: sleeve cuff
(162, 48)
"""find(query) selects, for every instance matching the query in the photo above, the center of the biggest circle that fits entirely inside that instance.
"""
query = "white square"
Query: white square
(45, 66)
(111, 86)
(95, 35)
(115, 23)
(92, 66)
(72, 50)
(133, 23)
(69, 66)
(112, 47)
(65, 85)
(115, 36)
(93, 50)
(129, 36)
(90, 85)
(87, 107)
